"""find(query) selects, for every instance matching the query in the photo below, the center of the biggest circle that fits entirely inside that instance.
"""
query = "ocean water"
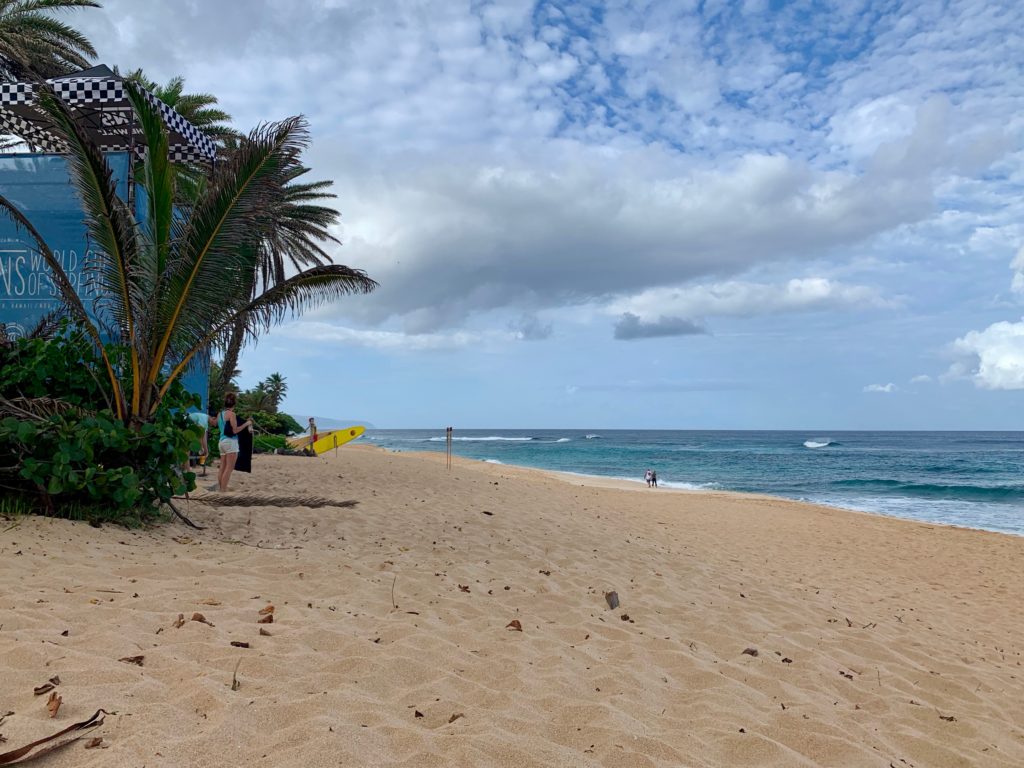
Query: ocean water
(972, 479)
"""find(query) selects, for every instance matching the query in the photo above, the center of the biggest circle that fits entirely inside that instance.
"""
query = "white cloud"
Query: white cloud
(659, 163)
(746, 299)
(924, 378)
(321, 332)
(862, 129)
(495, 156)
(571, 224)
(992, 358)
(1017, 265)
(531, 328)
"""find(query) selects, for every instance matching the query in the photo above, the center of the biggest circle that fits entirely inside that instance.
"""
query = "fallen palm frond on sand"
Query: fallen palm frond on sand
(50, 743)
(247, 500)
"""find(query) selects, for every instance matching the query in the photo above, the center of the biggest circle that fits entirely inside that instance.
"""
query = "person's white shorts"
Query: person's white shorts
(228, 446)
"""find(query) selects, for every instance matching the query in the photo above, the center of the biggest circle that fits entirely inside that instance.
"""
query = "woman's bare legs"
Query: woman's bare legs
(227, 463)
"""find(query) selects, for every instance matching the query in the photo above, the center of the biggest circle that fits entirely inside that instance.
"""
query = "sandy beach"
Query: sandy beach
(869, 641)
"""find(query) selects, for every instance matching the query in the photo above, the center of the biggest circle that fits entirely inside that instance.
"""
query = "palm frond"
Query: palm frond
(158, 180)
(68, 295)
(37, 408)
(32, 6)
(205, 283)
(305, 290)
(34, 43)
(46, 326)
(110, 225)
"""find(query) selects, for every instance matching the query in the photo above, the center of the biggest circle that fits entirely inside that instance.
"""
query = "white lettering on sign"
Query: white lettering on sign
(24, 275)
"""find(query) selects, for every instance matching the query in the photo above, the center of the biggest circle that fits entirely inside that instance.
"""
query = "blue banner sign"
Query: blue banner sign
(40, 186)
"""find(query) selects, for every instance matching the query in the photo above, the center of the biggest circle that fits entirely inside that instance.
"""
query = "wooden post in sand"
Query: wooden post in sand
(335, 436)
(448, 447)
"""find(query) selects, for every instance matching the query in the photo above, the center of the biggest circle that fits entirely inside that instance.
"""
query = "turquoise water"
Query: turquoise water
(969, 479)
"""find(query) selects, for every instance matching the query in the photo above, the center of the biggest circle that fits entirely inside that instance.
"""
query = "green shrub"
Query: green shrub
(268, 443)
(274, 423)
(62, 450)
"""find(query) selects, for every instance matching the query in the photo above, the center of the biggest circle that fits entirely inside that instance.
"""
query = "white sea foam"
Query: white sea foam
(677, 484)
(689, 486)
(490, 439)
(821, 442)
(564, 440)
(592, 437)
(493, 461)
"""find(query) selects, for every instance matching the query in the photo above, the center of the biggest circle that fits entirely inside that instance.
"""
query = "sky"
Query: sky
(663, 215)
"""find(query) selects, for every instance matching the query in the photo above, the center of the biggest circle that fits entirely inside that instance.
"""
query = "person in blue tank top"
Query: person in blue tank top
(228, 445)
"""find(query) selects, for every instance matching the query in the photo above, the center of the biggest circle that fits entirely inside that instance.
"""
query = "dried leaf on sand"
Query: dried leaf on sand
(137, 660)
(514, 625)
(50, 743)
(53, 703)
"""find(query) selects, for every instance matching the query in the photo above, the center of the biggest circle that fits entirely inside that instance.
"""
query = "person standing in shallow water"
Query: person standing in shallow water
(654, 479)
(647, 477)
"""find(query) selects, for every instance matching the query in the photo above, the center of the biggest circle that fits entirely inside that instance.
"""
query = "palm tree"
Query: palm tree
(256, 400)
(302, 224)
(35, 44)
(200, 109)
(175, 283)
(276, 389)
(217, 387)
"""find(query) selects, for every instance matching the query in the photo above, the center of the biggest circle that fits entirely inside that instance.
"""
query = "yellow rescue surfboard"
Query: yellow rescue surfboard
(336, 438)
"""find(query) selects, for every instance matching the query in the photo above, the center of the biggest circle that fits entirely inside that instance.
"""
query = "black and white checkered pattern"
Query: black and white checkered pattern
(175, 123)
(89, 90)
(41, 139)
(16, 93)
(111, 120)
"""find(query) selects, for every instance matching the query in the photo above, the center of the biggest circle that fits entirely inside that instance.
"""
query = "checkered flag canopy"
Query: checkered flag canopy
(97, 98)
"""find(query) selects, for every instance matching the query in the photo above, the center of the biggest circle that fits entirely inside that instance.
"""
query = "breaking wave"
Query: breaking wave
(996, 493)
(821, 442)
(490, 439)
